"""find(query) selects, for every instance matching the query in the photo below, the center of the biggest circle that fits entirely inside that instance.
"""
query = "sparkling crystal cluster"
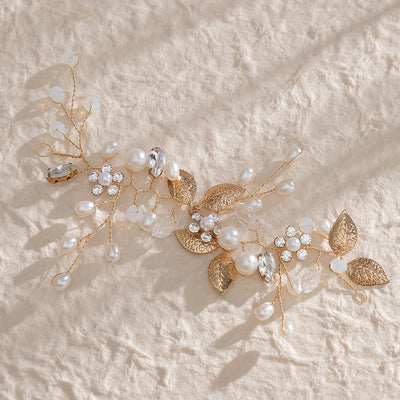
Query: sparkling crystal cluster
(294, 242)
(105, 180)
(206, 226)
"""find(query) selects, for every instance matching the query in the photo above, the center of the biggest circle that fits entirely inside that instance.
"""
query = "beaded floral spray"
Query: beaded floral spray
(208, 230)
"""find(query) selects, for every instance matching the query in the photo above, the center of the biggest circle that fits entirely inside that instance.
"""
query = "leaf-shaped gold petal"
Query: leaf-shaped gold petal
(185, 189)
(221, 196)
(192, 242)
(222, 272)
(343, 235)
(366, 272)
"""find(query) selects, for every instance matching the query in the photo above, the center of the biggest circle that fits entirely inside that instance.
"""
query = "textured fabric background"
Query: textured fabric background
(220, 84)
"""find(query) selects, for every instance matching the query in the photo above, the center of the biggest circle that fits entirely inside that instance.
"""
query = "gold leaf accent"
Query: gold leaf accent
(184, 190)
(193, 243)
(343, 235)
(366, 272)
(222, 272)
(221, 196)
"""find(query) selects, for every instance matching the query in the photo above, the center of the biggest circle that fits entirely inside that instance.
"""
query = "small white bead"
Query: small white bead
(136, 159)
(207, 223)
(83, 208)
(338, 265)
(148, 221)
(293, 153)
(57, 94)
(61, 281)
(70, 58)
(306, 225)
(110, 149)
(264, 311)
(68, 244)
(324, 226)
(172, 170)
(285, 188)
(229, 238)
(105, 178)
(246, 263)
(288, 327)
(255, 205)
(134, 214)
(246, 176)
(55, 130)
(111, 252)
(293, 244)
(91, 103)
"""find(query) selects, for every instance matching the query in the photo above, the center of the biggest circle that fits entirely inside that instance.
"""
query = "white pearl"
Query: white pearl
(136, 159)
(83, 208)
(338, 265)
(55, 130)
(148, 221)
(112, 252)
(57, 94)
(207, 223)
(285, 188)
(246, 176)
(105, 178)
(306, 224)
(229, 238)
(288, 327)
(246, 263)
(264, 311)
(255, 205)
(70, 58)
(324, 226)
(91, 103)
(68, 244)
(172, 170)
(61, 281)
(110, 149)
(294, 153)
(134, 214)
(293, 244)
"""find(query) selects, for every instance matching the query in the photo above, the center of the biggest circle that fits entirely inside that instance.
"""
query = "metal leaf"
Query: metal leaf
(221, 196)
(222, 272)
(343, 235)
(185, 189)
(192, 242)
(366, 272)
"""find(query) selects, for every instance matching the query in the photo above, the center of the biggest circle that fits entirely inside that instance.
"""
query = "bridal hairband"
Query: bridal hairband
(279, 263)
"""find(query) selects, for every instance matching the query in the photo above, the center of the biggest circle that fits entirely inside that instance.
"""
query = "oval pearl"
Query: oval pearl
(172, 170)
(134, 214)
(288, 327)
(61, 281)
(293, 244)
(110, 149)
(229, 238)
(246, 263)
(91, 103)
(112, 252)
(306, 224)
(255, 205)
(338, 265)
(148, 221)
(57, 94)
(294, 153)
(246, 176)
(264, 311)
(324, 226)
(285, 188)
(55, 130)
(83, 208)
(136, 159)
(68, 244)
(207, 223)
(105, 178)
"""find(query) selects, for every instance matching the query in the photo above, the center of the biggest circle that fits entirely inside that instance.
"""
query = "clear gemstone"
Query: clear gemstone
(92, 176)
(280, 241)
(56, 128)
(338, 265)
(163, 227)
(291, 231)
(57, 94)
(310, 279)
(106, 168)
(97, 190)
(156, 161)
(245, 216)
(217, 230)
(214, 216)
(112, 190)
(286, 256)
(134, 214)
(197, 217)
(302, 254)
(194, 227)
(118, 177)
(267, 266)
(305, 238)
(206, 237)
(91, 103)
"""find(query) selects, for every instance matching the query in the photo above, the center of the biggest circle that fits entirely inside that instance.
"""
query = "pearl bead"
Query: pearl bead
(246, 176)
(136, 159)
(207, 223)
(112, 252)
(91, 103)
(306, 225)
(83, 208)
(324, 226)
(294, 153)
(148, 221)
(338, 265)
(134, 214)
(246, 263)
(255, 205)
(105, 178)
(229, 238)
(264, 311)
(57, 94)
(293, 244)
(285, 188)
(68, 244)
(55, 130)
(61, 281)
(110, 149)
(70, 58)
(172, 171)
(288, 327)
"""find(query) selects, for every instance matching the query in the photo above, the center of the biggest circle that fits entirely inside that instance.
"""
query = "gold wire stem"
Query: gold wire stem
(72, 69)
(360, 295)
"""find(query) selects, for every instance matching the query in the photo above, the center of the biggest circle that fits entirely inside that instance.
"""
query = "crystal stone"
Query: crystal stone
(56, 130)
(156, 161)
(286, 256)
(291, 231)
(206, 237)
(112, 190)
(280, 241)
(92, 176)
(214, 216)
(310, 279)
(118, 177)
(217, 230)
(197, 217)
(97, 190)
(302, 254)
(245, 216)
(267, 266)
(305, 238)
(194, 227)
(106, 168)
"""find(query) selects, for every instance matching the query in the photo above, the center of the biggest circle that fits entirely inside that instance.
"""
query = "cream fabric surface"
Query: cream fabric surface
(220, 84)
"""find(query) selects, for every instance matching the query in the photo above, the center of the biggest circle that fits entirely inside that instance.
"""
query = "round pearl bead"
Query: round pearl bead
(148, 221)
(255, 205)
(172, 171)
(207, 223)
(306, 225)
(288, 327)
(68, 244)
(293, 244)
(105, 178)
(229, 238)
(61, 281)
(57, 94)
(112, 252)
(134, 214)
(83, 208)
(285, 188)
(246, 176)
(338, 265)
(294, 153)
(110, 149)
(55, 130)
(264, 311)
(246, 263)
(136, 159)
(324, 226)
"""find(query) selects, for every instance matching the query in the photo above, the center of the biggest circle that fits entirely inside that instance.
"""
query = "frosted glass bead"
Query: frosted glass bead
(55, 130)
(57, 94)
(91, 103)
(306, 225)
(338, 265)
(70, 58)
(134, 214)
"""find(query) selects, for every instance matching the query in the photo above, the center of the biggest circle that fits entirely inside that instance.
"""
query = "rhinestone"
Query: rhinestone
(291, 231)
(214, 216)
(97, 190)
(216, 230)
(106, 168)
(194, 227)
(206, 237)
(286, 255)
(280, 241)
(302, 254)
(305, 238)
(92, 176)
(267, 266)
(112, 190)
(197, 217)
(118, 177)
(156, 161)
